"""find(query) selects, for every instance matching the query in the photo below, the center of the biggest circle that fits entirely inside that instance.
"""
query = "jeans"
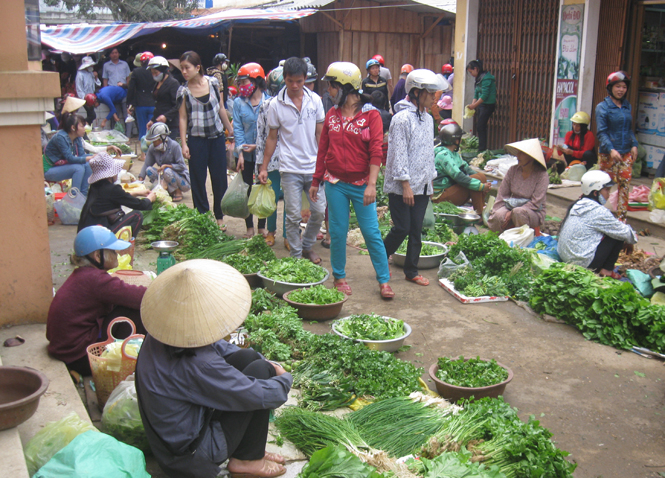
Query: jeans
(207, 154)
(143, 115)
(482, 118)
(276, 181)
(407, 220)
(294, 185)
(339, 196)
(248, 177)
(78, 173)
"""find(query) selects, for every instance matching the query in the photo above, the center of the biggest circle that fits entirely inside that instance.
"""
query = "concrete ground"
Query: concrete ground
(603, 405)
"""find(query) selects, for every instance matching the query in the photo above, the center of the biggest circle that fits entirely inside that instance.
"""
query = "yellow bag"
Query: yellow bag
(657, 194)
(262, 201)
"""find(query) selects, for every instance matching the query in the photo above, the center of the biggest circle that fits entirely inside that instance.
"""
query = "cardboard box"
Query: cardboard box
(651, 139)
(647, 119)
(654, 156)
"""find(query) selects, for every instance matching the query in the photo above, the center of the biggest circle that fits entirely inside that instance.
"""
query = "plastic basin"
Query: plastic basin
(316, 311)
(424, 262)
(454, 393)
(281, 288)
(20, 391)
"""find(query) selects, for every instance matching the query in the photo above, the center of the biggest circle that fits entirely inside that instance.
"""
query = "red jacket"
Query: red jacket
(574, 142)
(343, 152)
(79, 307)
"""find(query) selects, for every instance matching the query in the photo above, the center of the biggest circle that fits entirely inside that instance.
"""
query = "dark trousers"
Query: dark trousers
(120, 331)
(207, 154)
(246, 433)
(607, 254)
(407, 220)
(248, 177)
(90, 114)
(133, 219)
(483, 113)
(589, 157)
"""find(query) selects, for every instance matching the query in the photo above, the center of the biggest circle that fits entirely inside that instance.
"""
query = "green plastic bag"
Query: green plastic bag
(641, 281)
(52, 438)
(95, 455)
(430, 220)
(234, 202)
(261, 201)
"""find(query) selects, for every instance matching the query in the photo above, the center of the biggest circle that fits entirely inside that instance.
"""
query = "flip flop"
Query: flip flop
(386, 291)
(420, 280)
(269, 469)
(343, 287)
(326, 243)
(312, 256)
(275, 457)
(270, 239)
(176, 198)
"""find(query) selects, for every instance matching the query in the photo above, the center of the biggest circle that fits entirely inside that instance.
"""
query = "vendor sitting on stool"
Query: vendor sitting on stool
(104, 203)
(203, 400)
(579, 144)
(90, 299)
(590, 235)
(455, 180)
(523, 191)
(165, 156)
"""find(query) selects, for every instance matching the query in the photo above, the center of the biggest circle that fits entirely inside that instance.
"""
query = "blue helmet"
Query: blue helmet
(371, 62)
(94, 238)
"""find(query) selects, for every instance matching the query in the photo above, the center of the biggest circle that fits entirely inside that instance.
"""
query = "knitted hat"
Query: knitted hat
(104, 166)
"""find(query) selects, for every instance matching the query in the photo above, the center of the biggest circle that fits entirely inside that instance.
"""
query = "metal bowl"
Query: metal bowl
(253, 280)
(316, 311)
(391, 345)
(164, 246)
(469, 217)
(424, 262)
(20, 391)
(281, 288)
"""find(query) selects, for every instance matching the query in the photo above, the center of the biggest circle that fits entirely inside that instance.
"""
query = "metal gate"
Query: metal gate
(517, 44)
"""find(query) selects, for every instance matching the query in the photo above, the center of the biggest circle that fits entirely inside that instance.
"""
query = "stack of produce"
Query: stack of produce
(446, 207)
(318, 295)
(293, 271)
(370, 327)
(471, 373)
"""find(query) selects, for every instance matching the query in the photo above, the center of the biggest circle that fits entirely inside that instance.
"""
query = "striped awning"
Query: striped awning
(89, 38)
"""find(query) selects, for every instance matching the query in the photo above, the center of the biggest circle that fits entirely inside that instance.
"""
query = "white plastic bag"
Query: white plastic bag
(518, 236)
(574, 172)
(121, 418)
(657, 216)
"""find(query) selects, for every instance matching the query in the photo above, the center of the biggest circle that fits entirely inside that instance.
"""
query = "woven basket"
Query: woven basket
(133, 277)
(107, 374)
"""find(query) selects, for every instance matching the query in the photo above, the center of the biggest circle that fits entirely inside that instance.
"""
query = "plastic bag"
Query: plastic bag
(641, 281)
(261, 201)
(542, 262)
(488, 210)
(656, 196)
(448, 265)
(234, 202)
(574, 172)
(69, 207)
(658, 298)
(52, 438)
(429, 220)
(468, 112)
(546, 245)
(518, 236)
(657, 215)
(121, 417)
(95, 455)
(113, 353)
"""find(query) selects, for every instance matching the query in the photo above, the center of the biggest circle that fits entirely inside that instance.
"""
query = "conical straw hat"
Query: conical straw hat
(72, 104)
(530, 147)
(195, 303)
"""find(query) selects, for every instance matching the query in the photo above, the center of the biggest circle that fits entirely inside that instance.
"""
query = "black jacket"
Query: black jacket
(166, 103)
(104, 196)
(139, 90)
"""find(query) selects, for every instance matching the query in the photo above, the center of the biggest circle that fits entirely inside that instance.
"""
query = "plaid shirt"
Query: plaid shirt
(204, 120)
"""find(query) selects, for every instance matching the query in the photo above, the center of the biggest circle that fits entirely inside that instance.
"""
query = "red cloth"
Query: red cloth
(342, 150)
(79, 307)
(574, 142)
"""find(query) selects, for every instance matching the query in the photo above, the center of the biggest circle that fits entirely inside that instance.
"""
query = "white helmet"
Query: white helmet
(595, 181)
(157, 130)
(426, 80)
(158, 61)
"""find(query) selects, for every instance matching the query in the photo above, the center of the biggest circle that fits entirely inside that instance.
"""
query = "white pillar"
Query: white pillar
(466, 47)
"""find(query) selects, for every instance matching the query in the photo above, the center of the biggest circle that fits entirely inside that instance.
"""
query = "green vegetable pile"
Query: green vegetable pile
(318, 294)
(256, 247)
(446, 207)
(293, 271)
(604, 310)
(554, 176)
(335, 461)
(426, 250)
(469, 143)
(263, 300)
(244, 264)
(471, 373)
(456, 465)
(370, 327)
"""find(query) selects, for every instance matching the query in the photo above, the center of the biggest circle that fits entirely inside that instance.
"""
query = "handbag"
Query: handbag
(512, 203)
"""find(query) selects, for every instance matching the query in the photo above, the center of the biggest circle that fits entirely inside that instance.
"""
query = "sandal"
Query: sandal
(221, 226)
(312, 256)
(326, 243)
(270, 239)
(177, 198)
(269, 469)
(275, 457)
(386, 291)
(343, 287)
(319, 236)
(420, 280)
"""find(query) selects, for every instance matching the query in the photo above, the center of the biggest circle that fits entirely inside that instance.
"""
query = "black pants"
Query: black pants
(483, 113)
(207, 154)
(590, 157)
(90, 114)
(407, 220)
(248, 177)
(120, 331)
(607, 254)
(133, 219)
(246, 433)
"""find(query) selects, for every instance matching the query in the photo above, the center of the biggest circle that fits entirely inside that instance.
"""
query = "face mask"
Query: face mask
(224, 66)
(90, 69)
(246, 91)
(601, 199)
(161, 147)
(337, 98)
(159, 77)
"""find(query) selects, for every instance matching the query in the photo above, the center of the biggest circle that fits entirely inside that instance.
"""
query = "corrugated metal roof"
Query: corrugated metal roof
(445, 5)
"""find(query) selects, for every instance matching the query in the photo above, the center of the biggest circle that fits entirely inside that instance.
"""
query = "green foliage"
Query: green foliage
(293, 271)
(456, 465)
(263, 300)
(318, 294)
(370, 327)
(335, 461)
(132, 11)
(470, 373)
(426, 249)
(256, 247)
(243, 264)
(446, 207)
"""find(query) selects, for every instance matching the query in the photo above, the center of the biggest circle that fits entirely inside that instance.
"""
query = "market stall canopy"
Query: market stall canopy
(85, 38)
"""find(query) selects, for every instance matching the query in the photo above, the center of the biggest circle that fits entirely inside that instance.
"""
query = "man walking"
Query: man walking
(296, 116)
(116, 73)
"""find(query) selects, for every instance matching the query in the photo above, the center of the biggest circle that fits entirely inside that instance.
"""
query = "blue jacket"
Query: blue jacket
(244, 121)
(61, 147)
(109, 95)
(615, 129)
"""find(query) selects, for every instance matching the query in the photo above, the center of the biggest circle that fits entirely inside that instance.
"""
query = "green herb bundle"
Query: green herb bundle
(336, 461)
(257, 248)
(244, 264)
(426, 250)
(293, 271)
(263, 300)
(446, 207)
(471, 373)
(318, 294)
(222, 250)
(370, 327)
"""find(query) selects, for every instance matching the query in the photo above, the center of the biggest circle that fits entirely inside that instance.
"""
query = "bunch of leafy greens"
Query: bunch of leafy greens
(334, 462)
(256, 247)
(471, 373)
(293, 271)
(263, 300)
(244, 264)
(454, 465)
(370, 327)
(603, 309)
(318, 294)
(469, 282)
(156, 220)
(426, 250)
(446, 207)
(469, 143)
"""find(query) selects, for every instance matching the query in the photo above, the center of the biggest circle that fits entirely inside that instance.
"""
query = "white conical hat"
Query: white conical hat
(195, 303)
(530, 147)
(72, 104)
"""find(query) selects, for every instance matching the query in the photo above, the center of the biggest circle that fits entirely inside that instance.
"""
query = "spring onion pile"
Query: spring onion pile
(370, 327)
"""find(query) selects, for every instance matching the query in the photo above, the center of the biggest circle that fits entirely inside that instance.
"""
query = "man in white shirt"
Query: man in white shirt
(297, 115)
(116, 73)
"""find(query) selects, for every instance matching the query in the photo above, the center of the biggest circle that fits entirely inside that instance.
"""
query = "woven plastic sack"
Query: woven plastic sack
(52, 438)
(429, 220)
(262, 201)
(121, 418)
(448, 265)
(95, 455)
(657, 194)
(518, 236)
(234, 202)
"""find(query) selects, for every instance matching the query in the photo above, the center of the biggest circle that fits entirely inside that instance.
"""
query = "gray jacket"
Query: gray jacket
(172, 155)
(585, 227)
